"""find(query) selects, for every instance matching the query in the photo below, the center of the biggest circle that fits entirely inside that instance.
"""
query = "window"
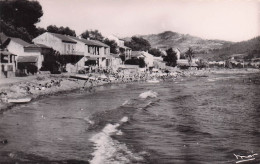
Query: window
(4, 58)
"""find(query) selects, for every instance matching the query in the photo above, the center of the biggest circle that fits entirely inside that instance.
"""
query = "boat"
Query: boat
(19, 100)
(153, 81)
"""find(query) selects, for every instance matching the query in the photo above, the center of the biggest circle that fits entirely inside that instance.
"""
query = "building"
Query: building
(148, 58)
(116, 61)
(7, 59)
(178, 53)
(7, 64)
(76, 53)
(159, 63)
(25, 52)
(123, 50)
(66, 48)
(28, 57)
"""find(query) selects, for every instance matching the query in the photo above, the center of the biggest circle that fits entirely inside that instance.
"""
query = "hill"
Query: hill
(248, 50)
(204, 48)
(169, 39)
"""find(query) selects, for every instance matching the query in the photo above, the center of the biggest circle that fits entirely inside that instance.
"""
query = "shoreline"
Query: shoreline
(65, 84)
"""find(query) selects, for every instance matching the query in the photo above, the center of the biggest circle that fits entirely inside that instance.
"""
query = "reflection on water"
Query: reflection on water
(194, 120)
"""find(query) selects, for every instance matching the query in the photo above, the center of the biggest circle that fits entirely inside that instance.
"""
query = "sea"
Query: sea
(211, 119)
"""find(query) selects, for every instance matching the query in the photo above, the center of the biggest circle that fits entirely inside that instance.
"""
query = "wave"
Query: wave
(147, 94)
(125, 102)
(108, 150)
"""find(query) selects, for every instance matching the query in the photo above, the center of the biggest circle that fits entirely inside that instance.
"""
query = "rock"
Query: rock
(5, 141)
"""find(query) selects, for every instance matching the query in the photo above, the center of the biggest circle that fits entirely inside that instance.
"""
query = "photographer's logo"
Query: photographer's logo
(242, 158)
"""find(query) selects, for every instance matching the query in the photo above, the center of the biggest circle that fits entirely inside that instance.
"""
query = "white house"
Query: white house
(65, 46)
(124, 50)
(26, 53)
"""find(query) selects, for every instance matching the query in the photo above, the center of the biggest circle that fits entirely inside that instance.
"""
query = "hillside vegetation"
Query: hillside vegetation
(250, 49)
(203, 48)
(170, 39)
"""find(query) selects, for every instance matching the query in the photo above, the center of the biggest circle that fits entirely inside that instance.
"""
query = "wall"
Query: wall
(40, 57)
(49, 40)
(15, 48)
(52, 41)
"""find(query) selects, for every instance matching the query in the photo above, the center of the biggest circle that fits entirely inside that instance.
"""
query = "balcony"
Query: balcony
(78, 53)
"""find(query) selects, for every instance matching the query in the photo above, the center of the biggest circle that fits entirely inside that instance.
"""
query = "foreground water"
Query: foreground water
(190, 120)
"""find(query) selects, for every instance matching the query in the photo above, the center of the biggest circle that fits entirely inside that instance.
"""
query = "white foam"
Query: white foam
(124, 119)
(89, 121)
(126, 102)
(109, 128)
(109, 151)
(147, 94)
(119, 133)
(211, 80)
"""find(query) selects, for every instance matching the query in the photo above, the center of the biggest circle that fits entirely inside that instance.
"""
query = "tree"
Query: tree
(138, 44)
(18, 18)
(61, 30)
(202, 63)
(122, 56)
(92, 34)
(155, 52)
(189, 55)
(112, 44)
(140, 62)
(171, 57)
(40, 31)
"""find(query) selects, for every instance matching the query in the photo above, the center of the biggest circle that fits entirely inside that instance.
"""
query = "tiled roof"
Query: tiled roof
(100, 43)
(27, 59)
(136, 54)
(37, 46)
(20, 41)
(87, 42)
(64, 38)
(124, 47)
(3, 38)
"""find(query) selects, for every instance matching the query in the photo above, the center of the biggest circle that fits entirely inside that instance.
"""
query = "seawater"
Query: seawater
(189, 120)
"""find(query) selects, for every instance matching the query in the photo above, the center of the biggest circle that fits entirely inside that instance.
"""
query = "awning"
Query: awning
(27, 59)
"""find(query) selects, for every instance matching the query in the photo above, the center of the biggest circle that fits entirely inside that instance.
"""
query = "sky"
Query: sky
(232, 20)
